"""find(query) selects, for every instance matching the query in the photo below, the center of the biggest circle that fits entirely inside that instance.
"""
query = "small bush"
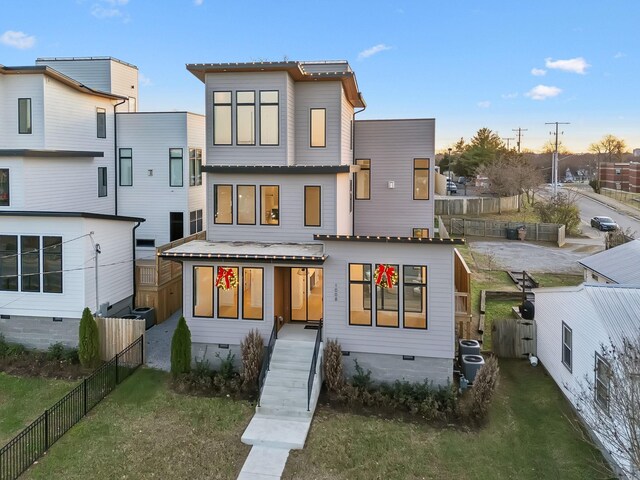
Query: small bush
(4, 345)
(333, 368)
(181, 349)
(252, 348)
(561, 209)
(55, 351)
(227, 370)
(595, 184)
(361, 379)
(484, 387)
(15, 350)
(89, 343)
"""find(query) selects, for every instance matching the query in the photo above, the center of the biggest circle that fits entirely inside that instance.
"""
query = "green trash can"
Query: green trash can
(512, 233)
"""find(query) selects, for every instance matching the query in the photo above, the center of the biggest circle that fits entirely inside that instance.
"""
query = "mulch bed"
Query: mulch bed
(37, 365)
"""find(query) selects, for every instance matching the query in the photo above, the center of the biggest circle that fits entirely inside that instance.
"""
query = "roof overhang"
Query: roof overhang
(385, 239)
(96, 216)
(28, 152)
(280, 169)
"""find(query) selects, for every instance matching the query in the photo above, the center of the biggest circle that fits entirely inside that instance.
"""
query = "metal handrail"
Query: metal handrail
(314, 361)
(266, 360)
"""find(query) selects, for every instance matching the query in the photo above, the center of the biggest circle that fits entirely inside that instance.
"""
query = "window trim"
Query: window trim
(8, 170)
(570, 347)
(356, 197)
(424, 285)
(101, 111)
(255, 118)
(397, 310)
(197, 217)
(103, 181)
(417, 169)
(319, 187)
(215, 203)
(361, 282)
(277, 105)
(213, 116)
(120, 158)
(193, 291)
(254, 204)
(215, 276)
(171, 160)
(30, 129)
(596, 380)
(262, 288)
(270, 224)
(311, 145)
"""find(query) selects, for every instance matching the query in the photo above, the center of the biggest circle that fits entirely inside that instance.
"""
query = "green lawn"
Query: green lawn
(23, 399)
(557, 279)
(527, 437)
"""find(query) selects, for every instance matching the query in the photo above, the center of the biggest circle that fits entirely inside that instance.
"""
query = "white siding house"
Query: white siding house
(615, 265)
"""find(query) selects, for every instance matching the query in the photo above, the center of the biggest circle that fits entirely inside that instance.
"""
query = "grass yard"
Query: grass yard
(144, 430)
(527, 437)
(23, 399)
(557, 279)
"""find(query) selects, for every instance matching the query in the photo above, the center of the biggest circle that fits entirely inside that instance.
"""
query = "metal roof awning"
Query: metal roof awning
(280, 169)
(35, 153)
(386, 239)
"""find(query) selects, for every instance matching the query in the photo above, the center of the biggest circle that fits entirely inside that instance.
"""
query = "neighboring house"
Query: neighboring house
(573, 324)
(623, 176)
(615, 265)
(305, 206)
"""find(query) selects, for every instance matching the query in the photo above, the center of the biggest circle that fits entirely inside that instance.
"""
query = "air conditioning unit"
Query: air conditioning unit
(148, 313)
(471, 364)
(467, 347)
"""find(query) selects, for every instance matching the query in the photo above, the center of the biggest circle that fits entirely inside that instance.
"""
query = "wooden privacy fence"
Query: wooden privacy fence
(116, 333)
(475, 206)
(477, 227)
(513, 337)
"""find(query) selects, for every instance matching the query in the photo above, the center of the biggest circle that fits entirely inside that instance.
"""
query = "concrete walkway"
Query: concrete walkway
(158, 343)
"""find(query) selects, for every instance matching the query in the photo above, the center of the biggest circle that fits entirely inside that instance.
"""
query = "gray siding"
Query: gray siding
(290, 138)
(94, 74)
(346, 151)
(392, 145)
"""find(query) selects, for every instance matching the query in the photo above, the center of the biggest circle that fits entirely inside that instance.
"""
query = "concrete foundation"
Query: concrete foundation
(214, 354)
(40, 332)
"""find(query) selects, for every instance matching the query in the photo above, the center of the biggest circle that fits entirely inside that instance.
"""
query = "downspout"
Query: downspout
(133, 258)
(353, 162)
(115, 163)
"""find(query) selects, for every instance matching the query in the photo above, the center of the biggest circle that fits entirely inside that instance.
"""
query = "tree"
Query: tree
(610, 148)
(550, 147)
(88, 341)
(181, 349)
(483, 148)
(561, 209)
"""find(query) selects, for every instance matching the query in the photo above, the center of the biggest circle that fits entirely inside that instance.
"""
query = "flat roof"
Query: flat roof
(30, 152)
(97, 216)
(280, 169)
(75, 59)
(390, 239)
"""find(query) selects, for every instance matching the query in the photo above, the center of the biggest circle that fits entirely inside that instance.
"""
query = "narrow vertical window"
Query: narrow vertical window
(227, 299)
(269, 118)
(246, 204)
(363, 179)
(312, 206)
(126, 167)
(24, 116)
(4, 187)
(195, 222)
(223, 204)
(421, 179)
(387, 303)
(52, 264)
(30, 263)
(245, 118)
(9, 263)
(195, 167)
(318, 128)
(176, 226)
(222, 118)
(102, 181)
(252, 288)
(176, 167)
(414, 279)
(269, 205)
(203, 291)
(359, 294)
(567, 346)
(602, 382)
(101, 122)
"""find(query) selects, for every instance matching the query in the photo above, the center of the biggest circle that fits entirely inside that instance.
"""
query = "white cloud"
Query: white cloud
(109, 9)
(619, 55)
(381, 47)
(574, 65)
(17, 39)
(484, 104)
(197, 3)
(542, 92)
(144, 81)
(538, 72)
(509, 96)
(116, 2)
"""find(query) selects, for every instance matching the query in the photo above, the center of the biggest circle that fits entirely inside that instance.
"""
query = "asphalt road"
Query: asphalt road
(590, 208)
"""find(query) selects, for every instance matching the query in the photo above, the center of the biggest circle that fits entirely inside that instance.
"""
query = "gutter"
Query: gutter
(115, 160)
(133, 258)
(353, 162)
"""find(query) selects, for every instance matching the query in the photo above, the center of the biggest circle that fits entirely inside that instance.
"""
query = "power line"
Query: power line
(519, 130)
(43, 248)
(508, 140)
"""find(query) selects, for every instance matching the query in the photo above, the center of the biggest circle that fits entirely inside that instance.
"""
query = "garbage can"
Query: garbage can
(512, 234)
(522, 232)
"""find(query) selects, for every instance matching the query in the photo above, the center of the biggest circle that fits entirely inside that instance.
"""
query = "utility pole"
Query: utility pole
(519, 130)
(507, 140)
(554, 157)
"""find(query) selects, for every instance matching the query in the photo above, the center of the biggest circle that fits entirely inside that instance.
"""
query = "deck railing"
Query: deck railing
(266, 359)
(314, 361)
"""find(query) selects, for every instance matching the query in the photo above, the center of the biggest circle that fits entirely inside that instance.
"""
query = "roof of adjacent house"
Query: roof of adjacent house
(300, 71)
(97, 216)
(620, 264)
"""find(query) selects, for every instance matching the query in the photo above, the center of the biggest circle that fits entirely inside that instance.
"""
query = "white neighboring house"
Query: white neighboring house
(573, 324)
(620, 264)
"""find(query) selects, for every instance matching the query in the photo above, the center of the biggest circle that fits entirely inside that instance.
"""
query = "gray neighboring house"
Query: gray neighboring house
(620, 265)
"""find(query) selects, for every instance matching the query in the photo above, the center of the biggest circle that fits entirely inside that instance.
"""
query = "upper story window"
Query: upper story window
(223, 204)
(363, 180)
(245, 118)
(312, 217)
(420, 232)
(4, 187)
(102, 181)
(318, 128)
(24, 116)
(195, 221)
(222, 118)
(246, 204)
(269, 205)
(567, 346)
(195, 167)
(269, 118)
(421, 179)
(101, 122)
(175, 167)
(126, 167)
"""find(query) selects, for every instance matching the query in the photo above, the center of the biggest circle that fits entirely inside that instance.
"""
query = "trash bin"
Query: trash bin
(522, 233)
(512, 234)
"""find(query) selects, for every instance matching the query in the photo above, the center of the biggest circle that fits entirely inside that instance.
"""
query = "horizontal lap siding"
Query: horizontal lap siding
(344, 218)
(16, 182)
(291, 131)
(123, 78)
(92, 73)
(437, 341)
(196, 139)
(21, 86)
(345, 132)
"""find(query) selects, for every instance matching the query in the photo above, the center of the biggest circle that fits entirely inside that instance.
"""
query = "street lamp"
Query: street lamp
(449, 167)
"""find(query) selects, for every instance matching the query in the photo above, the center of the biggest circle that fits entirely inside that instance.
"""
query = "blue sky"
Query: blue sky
(469, 64)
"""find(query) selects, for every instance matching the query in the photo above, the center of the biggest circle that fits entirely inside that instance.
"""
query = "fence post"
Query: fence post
(117, 376)
(46, 429)
(141, 349)
(84, 389)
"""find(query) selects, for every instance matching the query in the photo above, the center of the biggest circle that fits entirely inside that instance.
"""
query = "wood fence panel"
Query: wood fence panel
(116, 334)
(513, 338)
(561, 235)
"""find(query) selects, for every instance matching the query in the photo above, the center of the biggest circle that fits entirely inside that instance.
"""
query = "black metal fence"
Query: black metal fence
(26, 447)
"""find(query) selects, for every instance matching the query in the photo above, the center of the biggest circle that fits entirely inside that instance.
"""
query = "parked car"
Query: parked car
(451, 187)
(462, 180)
(603, 223)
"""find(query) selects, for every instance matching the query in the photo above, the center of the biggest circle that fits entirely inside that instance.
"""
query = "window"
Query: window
(203, 291)
(223, 204)
(420, 233)
(246, 204)
(9, 263)
(175, 167)
(101, 122)
(227, 299)
(102, 181)
(52, 264)
(567, 345)
(30, 263)
(195, 222)
(4, 187)
(269, 118)
(195, 167)
(145, 242)
(602, 382)
(318, 128)
(363, 180)
(252, 287)
(222, 118)
(126, 167)
(312, 206)
(24, 116)
(176, 226)
(387, 303)
(269, 205)
(245, 118)
(359, 294)
(421, 179)
(414, 296)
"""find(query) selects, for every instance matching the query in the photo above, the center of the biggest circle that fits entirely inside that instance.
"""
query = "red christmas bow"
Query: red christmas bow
(225, 275)
(385, 271)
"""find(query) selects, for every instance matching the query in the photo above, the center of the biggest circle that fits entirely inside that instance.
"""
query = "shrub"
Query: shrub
(227, 369)
(561, 209)
(181, 349)
(361, 379)
(55, 351)
(3, 346)
(483, 389)
(15, 350)
(252, 348)
(333, 368)
(595, 184)
(89, 343)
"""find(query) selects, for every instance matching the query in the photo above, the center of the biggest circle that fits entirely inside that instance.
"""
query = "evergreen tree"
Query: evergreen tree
(181, 349)
(88, 341)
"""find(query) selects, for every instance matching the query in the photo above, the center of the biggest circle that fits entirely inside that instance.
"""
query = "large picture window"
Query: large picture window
(126, 167)
(567, 346)
(269, 205)
(4, 187)
(312, 210)
(195, 167)
(176, 167)
(203, 291)
(245, 118)
(9, 263)
(318, 128)
(387, 304)
(421, 179)
(252, 292)
(363, 179)
(222, 118)
(24, 116)
(101, 122)
(52, 264)
(30, 263)
(269, 118)
(246, 204)
(359, 294)
(228, 299)
(414, 296)
(223, 204)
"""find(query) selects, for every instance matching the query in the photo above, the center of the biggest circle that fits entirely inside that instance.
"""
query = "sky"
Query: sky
(468, 64)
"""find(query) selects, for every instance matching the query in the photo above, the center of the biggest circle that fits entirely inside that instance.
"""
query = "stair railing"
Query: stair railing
(266, 359)
(314, 361)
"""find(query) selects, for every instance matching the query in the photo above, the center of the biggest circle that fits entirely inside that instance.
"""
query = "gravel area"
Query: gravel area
(158, 343)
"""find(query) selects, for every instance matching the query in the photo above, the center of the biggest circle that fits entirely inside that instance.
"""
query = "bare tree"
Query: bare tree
(511, 175)
(610, 148)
